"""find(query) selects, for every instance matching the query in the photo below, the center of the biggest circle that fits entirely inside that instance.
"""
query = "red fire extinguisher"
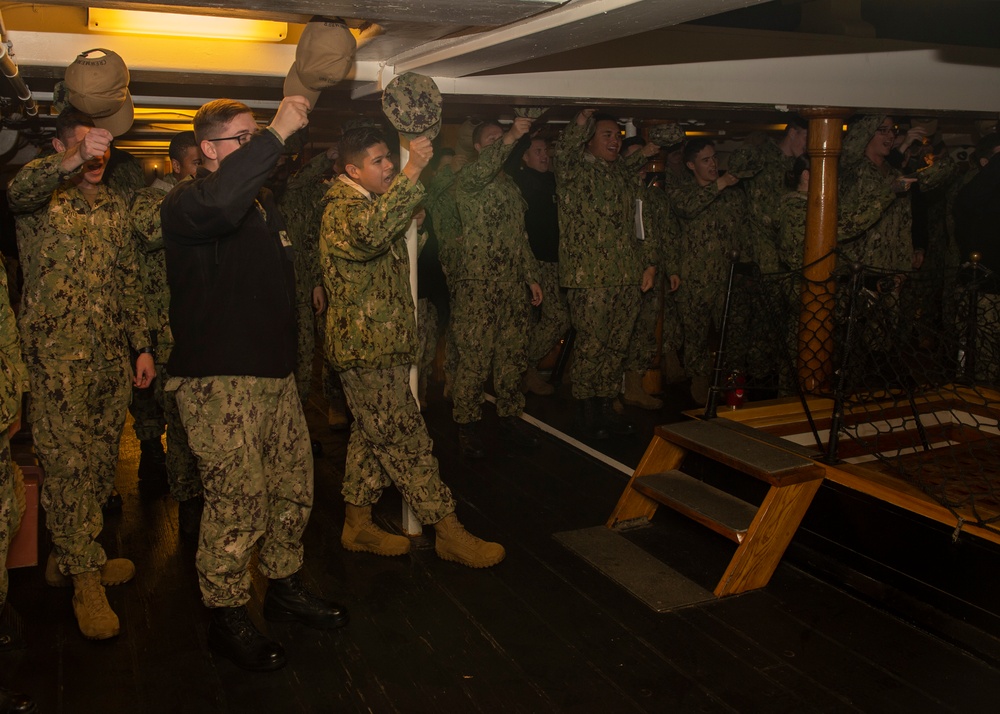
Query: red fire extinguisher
(735, 393)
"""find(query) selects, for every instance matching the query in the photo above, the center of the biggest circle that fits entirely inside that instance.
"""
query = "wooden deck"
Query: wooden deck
(542, 632)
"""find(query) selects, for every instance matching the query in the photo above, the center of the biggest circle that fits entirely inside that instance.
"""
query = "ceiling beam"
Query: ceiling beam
(576, 24)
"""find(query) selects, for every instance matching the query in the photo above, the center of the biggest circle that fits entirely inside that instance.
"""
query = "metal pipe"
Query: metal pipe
(10, 71)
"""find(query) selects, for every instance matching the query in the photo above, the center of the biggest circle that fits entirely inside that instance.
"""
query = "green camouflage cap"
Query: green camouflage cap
(666, 134)
(745, 164)
(412, 104)
(530, 112)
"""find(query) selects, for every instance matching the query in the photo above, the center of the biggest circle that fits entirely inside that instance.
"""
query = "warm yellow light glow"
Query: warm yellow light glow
(140, 22)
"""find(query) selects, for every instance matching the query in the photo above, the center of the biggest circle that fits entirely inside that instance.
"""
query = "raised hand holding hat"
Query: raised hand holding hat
(323, 57)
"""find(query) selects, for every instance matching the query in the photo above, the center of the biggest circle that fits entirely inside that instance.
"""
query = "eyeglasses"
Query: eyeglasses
(888, 130)
(241, 138)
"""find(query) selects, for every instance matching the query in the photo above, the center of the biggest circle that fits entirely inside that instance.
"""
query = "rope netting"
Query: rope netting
(910, 363)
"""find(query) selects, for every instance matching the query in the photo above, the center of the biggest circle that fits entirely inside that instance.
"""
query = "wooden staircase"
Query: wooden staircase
(761, 533)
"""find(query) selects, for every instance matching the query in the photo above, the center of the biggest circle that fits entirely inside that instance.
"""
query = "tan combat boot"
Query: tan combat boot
(635, 395)
(457, 544)
(115, 571)
(94, 615)
(361, 535)
(534, 382)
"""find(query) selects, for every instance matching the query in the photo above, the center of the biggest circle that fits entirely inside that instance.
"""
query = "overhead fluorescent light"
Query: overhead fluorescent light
(140, 22)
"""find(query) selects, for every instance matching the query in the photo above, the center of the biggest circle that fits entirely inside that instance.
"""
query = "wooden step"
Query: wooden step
(735, 449)
(806, 451)
(659, 586)
(722, 512)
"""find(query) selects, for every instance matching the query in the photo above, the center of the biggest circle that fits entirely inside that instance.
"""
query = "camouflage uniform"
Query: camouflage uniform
(673, 329)
(371, 339)
(81, 309)
(600, 260)
(232, 367)
(442, 209)
(245, 430)
(427, 328)
(714, 223)
(182, 468)
(764, 190)
(490, 306)
(642, 344)
(13, 383)
(300, 205)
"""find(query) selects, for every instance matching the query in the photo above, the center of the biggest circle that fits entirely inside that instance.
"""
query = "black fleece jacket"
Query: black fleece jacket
(230, 268)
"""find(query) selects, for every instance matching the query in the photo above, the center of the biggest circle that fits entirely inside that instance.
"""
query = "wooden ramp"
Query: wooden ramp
(761, 533)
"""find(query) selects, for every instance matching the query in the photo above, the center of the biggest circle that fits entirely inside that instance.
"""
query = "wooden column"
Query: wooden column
(816, 316)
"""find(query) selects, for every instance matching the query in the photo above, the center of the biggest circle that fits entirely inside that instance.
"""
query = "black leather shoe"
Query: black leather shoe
(612, 421)
(588, 423)
(233, 635)
(114, 502)
(14, 703)
(189, 516)
(470, 442)
(517, 432)
(287, 600)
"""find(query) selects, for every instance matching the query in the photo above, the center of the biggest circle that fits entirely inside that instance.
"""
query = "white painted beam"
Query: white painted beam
(928, 80)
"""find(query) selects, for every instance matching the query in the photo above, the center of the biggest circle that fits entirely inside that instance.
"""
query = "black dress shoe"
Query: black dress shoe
(14, 703)
(611, 420)
(287, 600)
(114, 502)
(517, 432)
(233, 635)
(189, 516)
(470, 442)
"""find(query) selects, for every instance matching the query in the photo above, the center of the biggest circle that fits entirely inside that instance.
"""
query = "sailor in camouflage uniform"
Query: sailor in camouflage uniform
(300, 205)
(764, 168)
(371, 338)
(13, 384)
(81, 311)
(491, 304)
(231, 274)
(713, 214)
(601, 263)
(181, 467)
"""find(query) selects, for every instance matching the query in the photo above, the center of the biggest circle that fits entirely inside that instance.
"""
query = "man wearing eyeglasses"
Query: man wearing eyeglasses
(233, 316)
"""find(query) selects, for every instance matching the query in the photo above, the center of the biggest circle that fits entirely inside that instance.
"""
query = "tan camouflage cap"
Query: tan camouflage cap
(412, 104)
(323, 57)
(97, 85)
(666, 134)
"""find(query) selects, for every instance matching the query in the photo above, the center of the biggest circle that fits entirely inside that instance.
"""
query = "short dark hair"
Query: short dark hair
(216, 114)
(987, 146)
(182, 141)
(796, 122)
(604, 116)
(696, 146)
(477, 133)
(68, 120)
(632, 141)
(355, 143)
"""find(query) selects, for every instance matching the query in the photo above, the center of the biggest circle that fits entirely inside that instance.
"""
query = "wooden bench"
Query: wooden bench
(761, 533)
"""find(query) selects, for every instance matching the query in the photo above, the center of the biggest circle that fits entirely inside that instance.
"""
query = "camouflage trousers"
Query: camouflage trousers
(389, 445)
(642, 343)
(77, 416)
(306, 350)
(490, 325)
(701, 313)
(603, 319)
(252, 445)
(673, 328)
(427, 340)
(182, 467)
(550, 320)
(10, 518)
(148, 419)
